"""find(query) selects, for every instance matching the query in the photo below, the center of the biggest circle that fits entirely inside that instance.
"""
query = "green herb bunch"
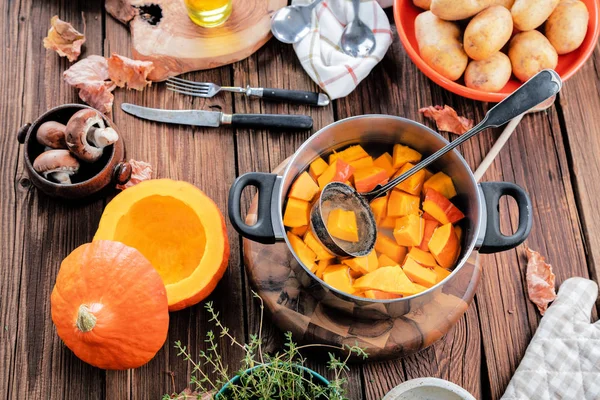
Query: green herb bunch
(278, 376)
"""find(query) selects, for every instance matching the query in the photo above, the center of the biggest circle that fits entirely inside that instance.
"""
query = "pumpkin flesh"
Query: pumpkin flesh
(178, 228)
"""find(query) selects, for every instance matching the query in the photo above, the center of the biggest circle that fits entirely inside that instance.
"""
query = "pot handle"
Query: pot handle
(262, 231)
(122, 173)
(22, 132)
(494, 240)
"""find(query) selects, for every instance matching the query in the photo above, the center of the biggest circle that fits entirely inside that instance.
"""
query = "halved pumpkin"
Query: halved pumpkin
(178, 229)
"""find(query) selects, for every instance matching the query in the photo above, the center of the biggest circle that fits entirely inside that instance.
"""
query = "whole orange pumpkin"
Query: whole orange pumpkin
(110, 305)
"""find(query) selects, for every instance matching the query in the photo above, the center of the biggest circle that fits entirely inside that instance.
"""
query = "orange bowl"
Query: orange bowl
(405, 13)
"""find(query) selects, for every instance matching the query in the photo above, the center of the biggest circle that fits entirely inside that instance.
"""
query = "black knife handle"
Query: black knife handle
(296, 96)
(272, 121)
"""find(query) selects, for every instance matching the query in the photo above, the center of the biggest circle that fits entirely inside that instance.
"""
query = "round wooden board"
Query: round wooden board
(276, 277)
(163, 33)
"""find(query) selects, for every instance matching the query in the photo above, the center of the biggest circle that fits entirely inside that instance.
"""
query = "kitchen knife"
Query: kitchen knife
(216, 118)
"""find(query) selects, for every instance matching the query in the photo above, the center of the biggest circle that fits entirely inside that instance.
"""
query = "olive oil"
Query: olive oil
(208, 13)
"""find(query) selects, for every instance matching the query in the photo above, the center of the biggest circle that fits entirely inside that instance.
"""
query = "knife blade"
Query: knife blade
(216, 118)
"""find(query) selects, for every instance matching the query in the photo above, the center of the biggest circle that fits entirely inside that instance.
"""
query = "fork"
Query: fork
(205, 89)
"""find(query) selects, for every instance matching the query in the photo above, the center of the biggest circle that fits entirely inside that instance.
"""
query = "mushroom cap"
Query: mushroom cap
(56, 161)
(52, 134)
(76, 134)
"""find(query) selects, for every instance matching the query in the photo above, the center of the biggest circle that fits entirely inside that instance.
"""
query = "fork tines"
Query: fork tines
(198, 89)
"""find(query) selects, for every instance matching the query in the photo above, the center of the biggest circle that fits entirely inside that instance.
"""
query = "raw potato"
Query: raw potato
(488, 32)
(440, 45)
(424, 4)
(454, 10)
(529, 53)
(567, 26)
(489, 75)
(529, 14)
(504, 3)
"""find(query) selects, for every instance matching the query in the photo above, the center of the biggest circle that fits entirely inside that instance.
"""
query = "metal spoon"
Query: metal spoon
(292, 23)
(358, 40)
(539, 88)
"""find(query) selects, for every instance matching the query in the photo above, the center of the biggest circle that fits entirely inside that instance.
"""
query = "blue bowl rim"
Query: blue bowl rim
(235, 379)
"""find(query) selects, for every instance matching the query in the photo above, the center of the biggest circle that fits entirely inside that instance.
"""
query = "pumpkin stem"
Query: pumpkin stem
(86, 320)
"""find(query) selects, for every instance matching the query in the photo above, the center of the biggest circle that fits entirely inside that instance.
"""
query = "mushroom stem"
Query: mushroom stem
(102, 137)
(62, 177)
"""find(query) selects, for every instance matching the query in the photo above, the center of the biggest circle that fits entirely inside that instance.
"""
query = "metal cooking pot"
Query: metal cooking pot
(377, 133)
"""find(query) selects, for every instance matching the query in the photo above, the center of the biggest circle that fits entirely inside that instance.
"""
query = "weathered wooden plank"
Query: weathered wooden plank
(42, 366)
(400, 89)
(276, 66)
(15, 26)
(534, 159)
(579, 105)
(206, 158)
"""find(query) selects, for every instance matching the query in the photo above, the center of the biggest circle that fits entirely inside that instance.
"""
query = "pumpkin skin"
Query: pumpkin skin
(178, 229)
(110, 306)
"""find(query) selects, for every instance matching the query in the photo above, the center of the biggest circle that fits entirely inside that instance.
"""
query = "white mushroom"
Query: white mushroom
(52, 135)
(56, 165)
(86, 135)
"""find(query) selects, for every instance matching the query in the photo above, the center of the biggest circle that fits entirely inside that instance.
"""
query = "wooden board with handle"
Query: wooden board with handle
(163, 33)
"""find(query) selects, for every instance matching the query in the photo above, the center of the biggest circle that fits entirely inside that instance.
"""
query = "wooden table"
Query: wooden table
(553, 155)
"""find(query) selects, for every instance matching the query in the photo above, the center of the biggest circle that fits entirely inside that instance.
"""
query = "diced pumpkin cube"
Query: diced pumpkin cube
(333, 157)
(338, 277)
(401, 204)
(379, 295)
(296, 213)
(313, 243)
(352, 153)
(422, 257)
(429, 217)
(341, 224)
(362, 163)
(304, 253)
(441, 183)
(388, 223)
(444, 245)
(409, 230)
(412, 184)
(458, 230)
(366, 179)
(419, 274)
(379, 209)
(389, 247)
(363, 265)
(387, 279)
(404, 154)
(386, 162)
(321, 266)
(429, 226)
(339, 171)
(428, 174)
(317, 168)
(420, 288)
(385, 261)
(299, 230)
(354, 274)
(441, 208)
(440, 273)
(304, 188)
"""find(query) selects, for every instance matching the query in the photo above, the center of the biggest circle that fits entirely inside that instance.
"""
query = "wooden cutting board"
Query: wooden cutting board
(297, 305)
(162, 33)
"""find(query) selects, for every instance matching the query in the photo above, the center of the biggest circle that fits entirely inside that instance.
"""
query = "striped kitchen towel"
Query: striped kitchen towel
(335, 72)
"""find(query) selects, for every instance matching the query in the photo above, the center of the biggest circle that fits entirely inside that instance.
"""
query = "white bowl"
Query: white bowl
(428, 389)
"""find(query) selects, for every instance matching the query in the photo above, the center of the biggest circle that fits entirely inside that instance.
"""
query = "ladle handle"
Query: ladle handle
(539, 88)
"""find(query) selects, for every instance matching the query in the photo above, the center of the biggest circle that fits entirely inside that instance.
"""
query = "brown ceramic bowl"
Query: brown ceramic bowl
(109, 170)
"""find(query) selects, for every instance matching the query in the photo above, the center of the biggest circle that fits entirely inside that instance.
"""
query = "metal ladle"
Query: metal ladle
(358, 40)
(539, 88)
(292, 23)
